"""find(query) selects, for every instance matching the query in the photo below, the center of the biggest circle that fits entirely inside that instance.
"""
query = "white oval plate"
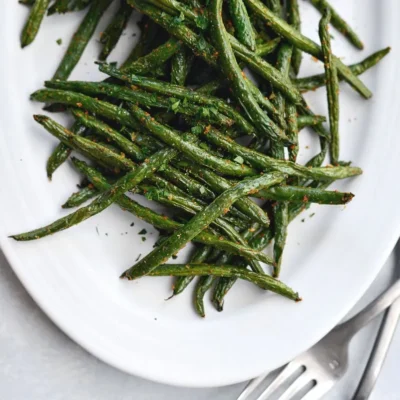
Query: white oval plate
(331, 258)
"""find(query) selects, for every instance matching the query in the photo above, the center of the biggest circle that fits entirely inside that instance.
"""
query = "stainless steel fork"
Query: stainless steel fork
(327, 361)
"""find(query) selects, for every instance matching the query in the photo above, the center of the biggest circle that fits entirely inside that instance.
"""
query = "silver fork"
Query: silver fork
(327, 361)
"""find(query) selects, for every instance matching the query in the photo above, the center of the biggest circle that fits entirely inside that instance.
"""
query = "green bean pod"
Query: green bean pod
(126, 145)
(140, 97)
(61, 153)
(266, 70)
(32, 25)
(81, 38)
(111, 35)
(293, 18)
(199, 256)
(263, 281)
(105, 109)
(291, 34)
(267, 48)
(188, 147)
(339, 23)
(316, 81)
(332, 86)
(243, 28)
(180, 93)
(156, 58)
(180, 66)
(78, 198)
(286, 167)
(198, 223)
(218, 184)
(149, 31)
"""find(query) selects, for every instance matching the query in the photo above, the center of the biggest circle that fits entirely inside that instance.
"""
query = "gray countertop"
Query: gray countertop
(37, 361)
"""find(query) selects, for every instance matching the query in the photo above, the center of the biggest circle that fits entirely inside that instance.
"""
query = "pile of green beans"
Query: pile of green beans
(169, 124)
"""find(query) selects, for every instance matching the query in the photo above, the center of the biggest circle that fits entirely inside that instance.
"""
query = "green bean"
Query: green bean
(243, 28)
(218, 184)
(282, 65)
(209, 88)
(316, 81)
(286, 167)
(293, 18)
(27, 2)
(206, 282)
(32, 25)
(192, 207)
(291, 34)
(180, 93)
(199, 222)
(305, 195)
(200, 20)
(275, 6)
(263, 281)
(126, 145)
(61, 153)
(232, 70)
(140, 97)
(224, 284)
(339, 23)
(319, 158)
(78, 198)
(148, 33)
(280, 232)
(93, 150)
(317, 127)
(199, 256)
(203, 286)
(292, 131)
(187, 183)
(185, 145)
(157, 57)
(63, 6)
(280, 210)
(113, 32)
(183, 181)
(266, 104)
(195, 42)
(332, 86)
(81, 38)
(266, 70)
(106, 110)
(59, 7)
(267, 48)
(127, 182)
(180, 66)
(309, 120)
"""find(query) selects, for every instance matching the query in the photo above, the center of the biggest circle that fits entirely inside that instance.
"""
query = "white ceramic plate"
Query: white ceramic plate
(331, 258)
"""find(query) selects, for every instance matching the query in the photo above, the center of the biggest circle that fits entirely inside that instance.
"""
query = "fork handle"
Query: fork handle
(354, 324)
(378, 355)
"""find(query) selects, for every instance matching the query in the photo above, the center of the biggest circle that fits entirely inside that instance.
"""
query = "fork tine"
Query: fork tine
(285, 374)
(297, 385)
(318, 391)
(251, 386)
